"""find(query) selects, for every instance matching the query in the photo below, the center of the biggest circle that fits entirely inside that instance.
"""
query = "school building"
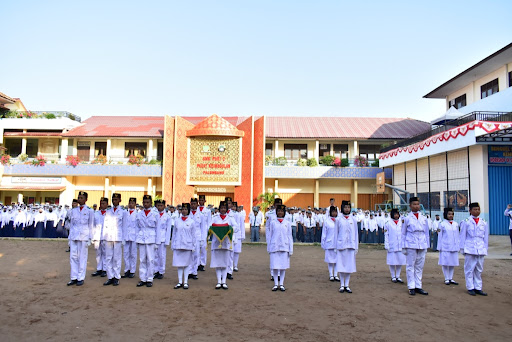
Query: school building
(467, 156)
(180, 157)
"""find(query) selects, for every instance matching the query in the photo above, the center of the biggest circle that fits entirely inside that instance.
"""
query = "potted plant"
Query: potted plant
(6, 159)
(312, 162)
(72, 160)
(360, 161)
(23, 157)
(280, 161)
(302, 162)
(100, 159)
(327, 160)
(136, 160)
(39, 161)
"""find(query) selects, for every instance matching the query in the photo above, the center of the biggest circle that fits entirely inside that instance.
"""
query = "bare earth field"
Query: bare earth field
(36, 304)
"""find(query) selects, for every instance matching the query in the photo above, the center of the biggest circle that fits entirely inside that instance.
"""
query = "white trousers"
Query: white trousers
(192, 268)
(100, 257)
(202, 253)
(78, 259)
(415, 259)
(130, 256)
(230, 267)
(113, 259)
(395, 270)
(448, 272)
(160, 258)
(147, 261)
(473, 268)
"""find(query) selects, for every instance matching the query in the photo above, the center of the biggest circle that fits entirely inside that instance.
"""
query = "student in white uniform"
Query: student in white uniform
(474, 242)
(508, 213)
(415, 243)
(393, 244)
(280, 247)
(239, 237)
(183, 245)
(347, 244)
(116, 220)
(205, 225)
(197, 217)
(163, 236)
(81, 225)
(97, 238)
(448, 245)
(147, 221)
(221, 250)
(130, 236)
(234, 215)
(328, 242)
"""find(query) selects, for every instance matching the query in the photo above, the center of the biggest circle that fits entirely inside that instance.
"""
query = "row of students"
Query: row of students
(31, 221)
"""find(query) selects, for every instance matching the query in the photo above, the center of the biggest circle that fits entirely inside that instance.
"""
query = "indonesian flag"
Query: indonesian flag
(221, 231)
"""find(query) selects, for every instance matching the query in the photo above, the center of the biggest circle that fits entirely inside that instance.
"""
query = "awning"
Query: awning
(33, 187)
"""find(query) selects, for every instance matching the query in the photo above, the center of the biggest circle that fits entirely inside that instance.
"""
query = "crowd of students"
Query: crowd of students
(119, 232)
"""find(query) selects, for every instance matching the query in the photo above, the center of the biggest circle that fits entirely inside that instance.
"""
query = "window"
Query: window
(340, 150)
(510, 79)
(325, 149)
(100, 148)
(430, 200)
(70, 147)
(32, 147)
(295, 151)
(458, 200)
(459, 102)
(268, 149)
(135, 148)
(160, 151)
(13, 147)
(370, 152)
(489, 88)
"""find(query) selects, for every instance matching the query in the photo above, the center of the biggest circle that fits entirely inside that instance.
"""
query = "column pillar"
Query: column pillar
(64, 149)
(356, 149)
(92, 151)
(276, 185)
(332, 150)
(317, 193)
(23, 145)
(20, 198)
(317, 151)
(276, 149)
(150, 186)
(354, 194)
(109, 148)
(149, 154)
(107, 187)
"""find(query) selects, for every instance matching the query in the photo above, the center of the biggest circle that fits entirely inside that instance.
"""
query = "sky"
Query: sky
(240, 58)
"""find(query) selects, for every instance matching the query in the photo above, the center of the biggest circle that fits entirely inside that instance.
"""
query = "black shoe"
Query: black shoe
(97, 273)
(131, 275)
(149, 284)
(480, 292)
(141, 283)
(347, 289)
(200, 268)
(116, 282)
(103, 274)
(271, 278)
(108, 282)
(399, 280)
(412, 292)
(70, 251)
(79, 283)
(159, 276)
(193, 276)
(472, 292)
(126, 274)
(422, 292)
(393, 280)
(453, 282)
(230, 276)
(72, 282)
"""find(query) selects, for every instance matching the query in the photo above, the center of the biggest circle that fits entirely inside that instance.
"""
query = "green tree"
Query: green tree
(267, 199)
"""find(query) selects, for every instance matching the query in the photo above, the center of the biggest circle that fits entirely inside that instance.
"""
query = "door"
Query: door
(500, 194)
(8, 200)
(84, 152)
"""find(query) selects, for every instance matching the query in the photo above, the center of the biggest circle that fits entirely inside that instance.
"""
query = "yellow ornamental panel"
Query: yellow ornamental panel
(214, 161)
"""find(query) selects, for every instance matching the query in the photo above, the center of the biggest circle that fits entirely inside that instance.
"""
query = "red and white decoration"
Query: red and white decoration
(486, 126)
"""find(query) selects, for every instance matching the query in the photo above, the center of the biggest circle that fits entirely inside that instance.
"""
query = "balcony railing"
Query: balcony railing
(318, 172)
(473, 116)
(50, 169)
(14, 114)
(351, 163)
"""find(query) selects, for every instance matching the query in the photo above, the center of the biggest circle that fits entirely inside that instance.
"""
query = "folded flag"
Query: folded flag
(221, 231)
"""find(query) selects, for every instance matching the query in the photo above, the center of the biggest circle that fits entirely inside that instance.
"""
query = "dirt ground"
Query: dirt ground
(36, 304)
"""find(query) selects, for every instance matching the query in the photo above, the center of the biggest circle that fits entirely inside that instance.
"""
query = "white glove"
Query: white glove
(96, 244)
(356, 251)
(156, 246)
(89, 243)
(404, 251)
(123, 243)
(462, 251)
(69, 243)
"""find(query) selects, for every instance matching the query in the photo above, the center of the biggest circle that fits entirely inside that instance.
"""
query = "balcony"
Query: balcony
(145, 170)
(318, 172)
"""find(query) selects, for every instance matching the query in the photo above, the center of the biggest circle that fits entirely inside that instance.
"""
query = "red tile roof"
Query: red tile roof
(343, 127)
(32, 134)
(120, 126)
(276, 127)
(7, 97)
